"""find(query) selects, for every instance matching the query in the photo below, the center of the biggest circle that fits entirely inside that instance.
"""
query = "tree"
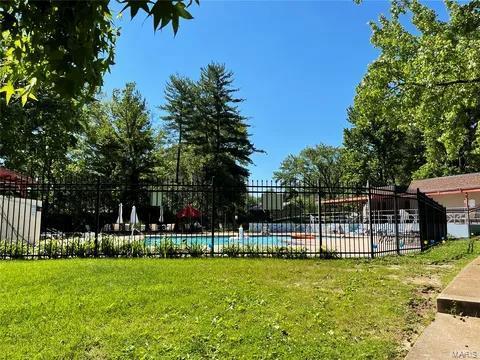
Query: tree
(218, 131)
(190, 164)
(205, 118)
(313, 165)
(180, 96)
(377, 150)
(67, 45)
(36, 138)
(120, 140)
(420, 94)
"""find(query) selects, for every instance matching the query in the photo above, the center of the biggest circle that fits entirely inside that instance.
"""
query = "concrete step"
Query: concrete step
(448, 337)
(462, 295)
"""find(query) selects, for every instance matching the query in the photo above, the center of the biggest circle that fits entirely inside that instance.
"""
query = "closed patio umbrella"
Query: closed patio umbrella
(120, 214)
(160, 217)
(133, 218)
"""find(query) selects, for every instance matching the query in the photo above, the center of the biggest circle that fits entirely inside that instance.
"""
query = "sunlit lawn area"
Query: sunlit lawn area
(221, 308)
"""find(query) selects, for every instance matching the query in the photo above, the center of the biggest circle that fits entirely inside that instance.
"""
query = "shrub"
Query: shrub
(135, 248)
(195, 250)
(107, 246)
(329, 254)
(277, 251)
(295, 253)
(252, 251)
(51, 248)
(13, 249)
(231, 250)
(168, 249)
(85, 249)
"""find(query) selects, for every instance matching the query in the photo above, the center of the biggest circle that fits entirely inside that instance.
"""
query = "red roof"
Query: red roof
(14, 180)
(7, 174)
(448, 184)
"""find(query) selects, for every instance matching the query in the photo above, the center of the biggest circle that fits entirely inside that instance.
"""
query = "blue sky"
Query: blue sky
(296, 63)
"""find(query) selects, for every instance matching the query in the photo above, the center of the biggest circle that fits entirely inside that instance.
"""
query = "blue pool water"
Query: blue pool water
(270, 240)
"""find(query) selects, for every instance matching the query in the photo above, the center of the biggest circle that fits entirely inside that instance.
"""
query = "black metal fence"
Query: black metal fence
(74, 218)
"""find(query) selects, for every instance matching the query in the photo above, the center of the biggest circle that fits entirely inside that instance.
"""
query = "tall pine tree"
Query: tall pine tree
(218, 130)
(180, 96)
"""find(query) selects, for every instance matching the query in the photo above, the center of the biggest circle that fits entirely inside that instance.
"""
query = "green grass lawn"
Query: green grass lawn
(221, 308)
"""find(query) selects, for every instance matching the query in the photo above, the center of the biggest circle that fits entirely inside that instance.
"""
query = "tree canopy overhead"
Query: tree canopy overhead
(419, 101)
(67, 45)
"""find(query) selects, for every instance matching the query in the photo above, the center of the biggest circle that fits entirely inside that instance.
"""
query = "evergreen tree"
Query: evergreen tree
(180, 96)
(218, 131)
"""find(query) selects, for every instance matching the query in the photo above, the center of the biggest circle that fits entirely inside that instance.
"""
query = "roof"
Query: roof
(12, 180)
(8, 174)
(447, 184)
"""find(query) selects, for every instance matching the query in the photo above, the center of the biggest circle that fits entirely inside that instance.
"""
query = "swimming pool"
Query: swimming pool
(220, 240)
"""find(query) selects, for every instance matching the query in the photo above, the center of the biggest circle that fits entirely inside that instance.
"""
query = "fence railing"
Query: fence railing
(463, 216)
(97, 219)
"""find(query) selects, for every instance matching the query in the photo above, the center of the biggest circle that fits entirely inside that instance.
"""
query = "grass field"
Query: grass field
(221, 308)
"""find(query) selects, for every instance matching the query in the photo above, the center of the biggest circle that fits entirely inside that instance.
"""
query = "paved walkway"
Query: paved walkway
(455, 333)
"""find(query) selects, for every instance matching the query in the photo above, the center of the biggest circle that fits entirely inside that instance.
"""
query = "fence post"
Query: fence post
(421, 224)
(445, 226)
(395, 209)
(97, 217)
(214, 210)
(319, 213)
(468, 216)
(370, 221)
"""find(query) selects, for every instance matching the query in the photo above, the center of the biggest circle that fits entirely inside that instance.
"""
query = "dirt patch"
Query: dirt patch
(421, 307)
(432, 282)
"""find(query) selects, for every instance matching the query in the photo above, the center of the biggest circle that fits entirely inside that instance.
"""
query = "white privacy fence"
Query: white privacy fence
(20, 219)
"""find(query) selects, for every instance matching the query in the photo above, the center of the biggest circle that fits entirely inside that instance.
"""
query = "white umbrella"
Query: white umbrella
(160, 218)
(133, 216)
(120, 214)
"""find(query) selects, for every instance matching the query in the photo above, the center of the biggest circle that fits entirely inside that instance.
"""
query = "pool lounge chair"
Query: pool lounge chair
(169, 227)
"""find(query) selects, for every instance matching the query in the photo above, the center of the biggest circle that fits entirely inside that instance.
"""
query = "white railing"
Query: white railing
(463, 216)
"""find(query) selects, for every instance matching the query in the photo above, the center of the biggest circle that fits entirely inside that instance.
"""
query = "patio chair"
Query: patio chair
(169, 227)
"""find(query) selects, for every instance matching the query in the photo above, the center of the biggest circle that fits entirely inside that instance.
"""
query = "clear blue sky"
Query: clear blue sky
(296, 63)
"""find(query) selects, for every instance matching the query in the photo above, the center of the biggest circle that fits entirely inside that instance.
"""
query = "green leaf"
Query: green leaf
(165, 20)
(182, 11)
(24, 99)
(135, 6)
(156, 20)
(9, 90)
(175, 24)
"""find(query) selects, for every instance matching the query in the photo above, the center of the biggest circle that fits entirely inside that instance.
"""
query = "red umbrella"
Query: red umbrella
(188, 212)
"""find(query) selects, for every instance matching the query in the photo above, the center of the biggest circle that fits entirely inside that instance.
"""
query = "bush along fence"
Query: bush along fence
(74, 218)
